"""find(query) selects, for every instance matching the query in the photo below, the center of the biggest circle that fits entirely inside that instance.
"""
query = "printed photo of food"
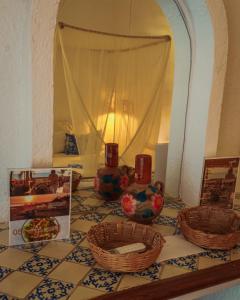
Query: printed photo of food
(40, 229)
(39, 193)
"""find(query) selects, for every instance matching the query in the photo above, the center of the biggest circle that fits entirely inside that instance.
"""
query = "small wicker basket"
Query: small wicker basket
(210, 227)
(108, 235)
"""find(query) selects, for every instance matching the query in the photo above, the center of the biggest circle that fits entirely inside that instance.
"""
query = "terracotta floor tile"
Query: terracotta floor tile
(85, 193)
(170, 212)
(56, 249)
(205, 262)
(84, 243)
(4, 237)
(82, 293)
(3, 225)
(104, 210)
(13, 258)
(69, 272)
(129, 281)
(171, 271)
(113, 218)
(82, 225)
(19, 284)
(235, 254)
(164, 229)
(93, 202)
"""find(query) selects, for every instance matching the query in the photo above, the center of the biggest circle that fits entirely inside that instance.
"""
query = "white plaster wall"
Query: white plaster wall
(180, 93)
(217, 11)
(15, 92)
(44, 14)
(199, 99)
(229, 137)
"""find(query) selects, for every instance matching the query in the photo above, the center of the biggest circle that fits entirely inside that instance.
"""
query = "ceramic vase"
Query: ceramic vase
(110, 182)
(143, 201)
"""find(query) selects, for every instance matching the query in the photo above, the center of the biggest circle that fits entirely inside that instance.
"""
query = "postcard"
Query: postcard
(219, 181)
(40, 202)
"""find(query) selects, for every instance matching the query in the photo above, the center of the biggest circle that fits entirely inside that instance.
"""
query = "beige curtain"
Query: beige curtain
(114, 90)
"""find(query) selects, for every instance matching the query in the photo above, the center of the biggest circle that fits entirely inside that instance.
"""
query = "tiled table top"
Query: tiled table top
(67, 270)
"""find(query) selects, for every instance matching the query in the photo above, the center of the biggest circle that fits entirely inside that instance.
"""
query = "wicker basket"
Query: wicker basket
(210, 227)
(109, 235)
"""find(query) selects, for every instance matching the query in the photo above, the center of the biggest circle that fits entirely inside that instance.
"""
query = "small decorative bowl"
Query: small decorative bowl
(143, 203)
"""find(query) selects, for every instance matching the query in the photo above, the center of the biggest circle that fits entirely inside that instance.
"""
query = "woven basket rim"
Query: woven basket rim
(182, 221)
(129, 255)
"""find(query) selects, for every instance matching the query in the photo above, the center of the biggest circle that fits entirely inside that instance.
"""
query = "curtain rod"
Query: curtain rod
(161, 37)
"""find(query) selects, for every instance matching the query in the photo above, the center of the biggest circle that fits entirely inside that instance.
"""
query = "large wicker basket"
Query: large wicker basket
(109, 235)
(210, 227)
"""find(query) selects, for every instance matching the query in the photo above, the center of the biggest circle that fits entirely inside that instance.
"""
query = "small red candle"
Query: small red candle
(143, 168)
(111, 155)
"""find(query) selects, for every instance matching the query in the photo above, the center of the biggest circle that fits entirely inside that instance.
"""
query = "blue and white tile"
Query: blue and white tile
(75, 198)
(32, 247)
(176, 204)
(178, 230)
(96, 217)
(164, 220)
(80, 209)
(151, 273)
(118, 212)
(4, 272)
(6, 297)
(85, 193)
(81, 255)
(187, 262)
(39, 265)
(75, 237)
(217, 254)
(3, 248)
(51, 289)
(102, 280)
(112, 204)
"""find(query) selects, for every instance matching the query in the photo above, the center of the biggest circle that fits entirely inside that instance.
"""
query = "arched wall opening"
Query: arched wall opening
(129, 18)
(201, 130)
(195, 20)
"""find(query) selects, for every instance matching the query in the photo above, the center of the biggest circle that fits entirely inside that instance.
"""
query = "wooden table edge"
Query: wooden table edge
(179, 285)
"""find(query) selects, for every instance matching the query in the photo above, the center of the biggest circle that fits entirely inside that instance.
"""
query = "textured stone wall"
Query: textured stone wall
(15, 92)
(229, 138)
(44, 14)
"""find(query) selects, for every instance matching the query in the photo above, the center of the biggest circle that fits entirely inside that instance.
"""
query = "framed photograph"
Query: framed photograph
(219, 181)
(40, 202)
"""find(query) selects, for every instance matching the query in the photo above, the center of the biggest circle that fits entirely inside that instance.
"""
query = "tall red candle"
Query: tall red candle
(111, 155)
(143, 168)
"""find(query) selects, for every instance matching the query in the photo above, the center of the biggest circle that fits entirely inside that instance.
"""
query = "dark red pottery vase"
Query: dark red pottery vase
(109, 183)
(142, 201)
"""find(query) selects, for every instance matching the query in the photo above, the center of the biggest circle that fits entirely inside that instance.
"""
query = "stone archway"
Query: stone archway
(205, 87)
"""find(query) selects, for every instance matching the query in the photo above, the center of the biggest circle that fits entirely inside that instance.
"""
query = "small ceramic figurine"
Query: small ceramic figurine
(109, 182)
(142, 202)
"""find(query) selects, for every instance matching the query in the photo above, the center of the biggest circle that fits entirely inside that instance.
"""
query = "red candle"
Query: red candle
(143, 168)
(111, 155)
